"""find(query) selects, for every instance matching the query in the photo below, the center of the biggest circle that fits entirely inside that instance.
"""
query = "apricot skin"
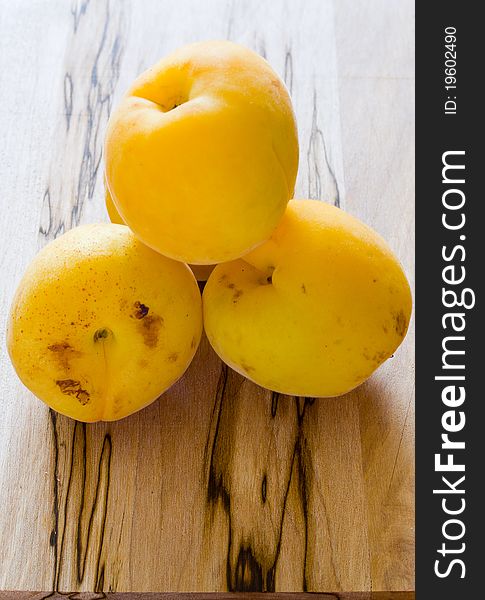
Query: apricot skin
(314, 310)
(101, 325)
(202, 153)
(201, 272)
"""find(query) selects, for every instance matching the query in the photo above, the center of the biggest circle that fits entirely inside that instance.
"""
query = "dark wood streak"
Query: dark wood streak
(271, 575)
(47, 228)
(65, 512)
(53, 540)
(303, 492)
(82, 552)
(78, 10)
(98, 107)
(83, 533)
(274, 403)
(301, 405)
(264, 488)
(318, 157)
(215, 487)
(68, 99)
(288, 72)
(230, 7)
(246, 573)
(86, 111)
(260, 47)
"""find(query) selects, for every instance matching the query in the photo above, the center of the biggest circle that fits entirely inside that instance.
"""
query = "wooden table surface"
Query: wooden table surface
(219, 485)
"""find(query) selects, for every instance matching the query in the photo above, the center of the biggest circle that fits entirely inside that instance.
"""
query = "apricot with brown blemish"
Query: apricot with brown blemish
(357, 287)
(87, 353)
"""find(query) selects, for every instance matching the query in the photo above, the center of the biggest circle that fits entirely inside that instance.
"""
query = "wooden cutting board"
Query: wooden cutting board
(219, 485)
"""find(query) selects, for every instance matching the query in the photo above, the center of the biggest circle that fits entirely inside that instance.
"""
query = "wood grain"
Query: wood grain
(204, 596)
(219, 485)
(376, 85)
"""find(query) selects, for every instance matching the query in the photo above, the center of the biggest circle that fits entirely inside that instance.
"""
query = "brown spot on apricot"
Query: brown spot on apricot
(82, 396)
(237, 294)
(141, 310)
(150, 327)
(247, 367)
(71, 387)
(379, 357)
(231, 286)
(59, 347)
(400, 323)
(64, 352)
(173, 357)
(303, 288)
(142, 363)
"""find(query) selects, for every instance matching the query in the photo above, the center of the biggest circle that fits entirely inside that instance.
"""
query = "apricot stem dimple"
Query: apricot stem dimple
(102, 334)
(269, 278)
(171, 104)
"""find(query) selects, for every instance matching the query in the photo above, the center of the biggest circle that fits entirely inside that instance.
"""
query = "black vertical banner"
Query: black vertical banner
(450, 268)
